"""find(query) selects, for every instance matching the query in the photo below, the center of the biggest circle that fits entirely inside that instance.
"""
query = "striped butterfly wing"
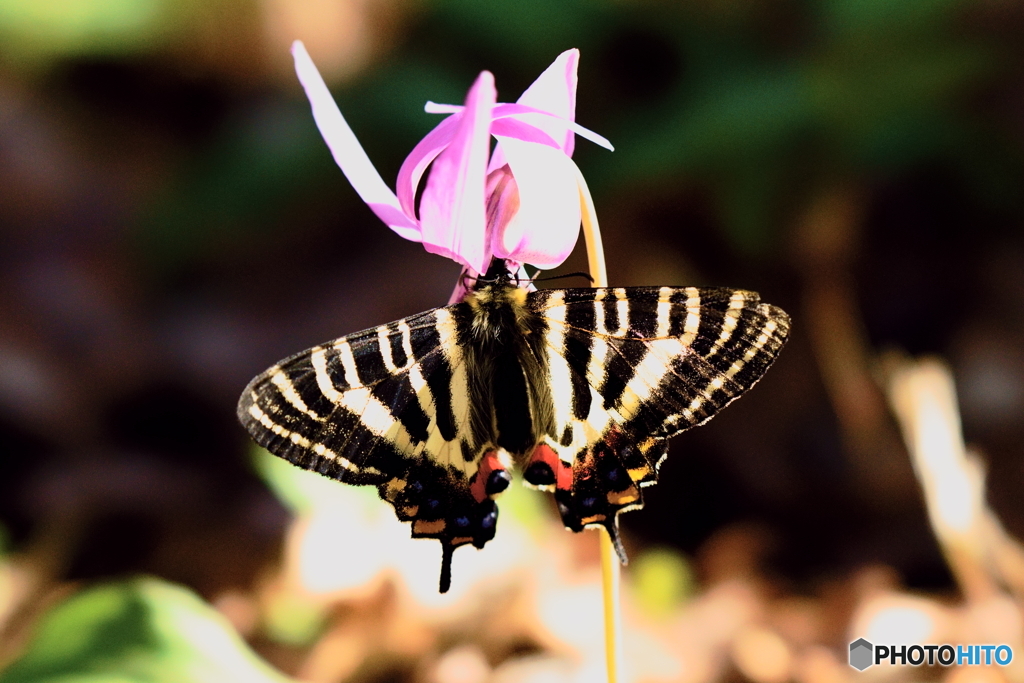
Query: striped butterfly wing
(630, 367)
(387, 407)
(621, 370)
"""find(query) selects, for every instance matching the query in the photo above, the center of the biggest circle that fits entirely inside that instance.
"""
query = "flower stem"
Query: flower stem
(610, 567)
(612, 616)
(592, 234)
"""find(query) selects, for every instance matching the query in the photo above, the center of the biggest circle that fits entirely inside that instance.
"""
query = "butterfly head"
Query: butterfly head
(497, 302)
(500, 273)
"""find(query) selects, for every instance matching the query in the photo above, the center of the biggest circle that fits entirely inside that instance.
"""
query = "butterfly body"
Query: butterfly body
(578, 389)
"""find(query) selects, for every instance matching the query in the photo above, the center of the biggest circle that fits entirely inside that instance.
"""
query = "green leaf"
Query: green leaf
(138, 631)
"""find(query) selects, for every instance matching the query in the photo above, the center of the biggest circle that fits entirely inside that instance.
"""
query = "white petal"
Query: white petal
(547, 226)
(554, 91)
(347, 151)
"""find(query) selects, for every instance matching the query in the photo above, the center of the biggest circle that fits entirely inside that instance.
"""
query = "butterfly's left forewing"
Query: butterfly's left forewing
(388, 407)
(630, 367)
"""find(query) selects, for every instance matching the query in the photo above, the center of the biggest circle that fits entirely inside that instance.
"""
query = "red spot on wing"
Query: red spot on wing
(488, 464)
(563, 472)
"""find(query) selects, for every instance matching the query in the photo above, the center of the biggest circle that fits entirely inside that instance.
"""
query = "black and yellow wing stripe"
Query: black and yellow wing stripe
(579, 387)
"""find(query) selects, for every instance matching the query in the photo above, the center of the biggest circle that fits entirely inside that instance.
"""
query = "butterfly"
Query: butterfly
(580, 389)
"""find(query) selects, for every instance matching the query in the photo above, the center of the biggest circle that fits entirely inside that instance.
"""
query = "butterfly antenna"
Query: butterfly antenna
(559, 277)
(447, 549)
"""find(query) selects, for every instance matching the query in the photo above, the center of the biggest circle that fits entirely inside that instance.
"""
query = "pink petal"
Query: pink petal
(547, 225)
(512, 128)
(554, 91)
(425, 151)
(347, 151)
(531, 116)
(524, 114)
(502, 199)
(452, 211)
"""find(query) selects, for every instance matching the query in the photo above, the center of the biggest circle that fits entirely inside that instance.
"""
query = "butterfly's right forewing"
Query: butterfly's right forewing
(634, 366)
(659, 360)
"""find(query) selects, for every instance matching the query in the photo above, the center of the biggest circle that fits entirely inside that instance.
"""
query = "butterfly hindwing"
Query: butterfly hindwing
(388, 407)
(630, 367)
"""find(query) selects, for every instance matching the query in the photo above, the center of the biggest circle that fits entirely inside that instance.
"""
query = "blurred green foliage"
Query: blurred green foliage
(295, 620)
(662, 580)
(302, 491)
(43, 29)
(758, 105)
(138, 631)
(257, 170)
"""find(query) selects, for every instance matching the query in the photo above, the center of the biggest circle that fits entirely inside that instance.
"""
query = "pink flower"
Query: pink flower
(520, 203)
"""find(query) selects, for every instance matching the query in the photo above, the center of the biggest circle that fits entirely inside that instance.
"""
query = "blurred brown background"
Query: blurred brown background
(171, 223)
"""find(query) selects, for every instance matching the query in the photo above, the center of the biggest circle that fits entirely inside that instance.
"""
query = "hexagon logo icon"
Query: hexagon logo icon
(861, 654)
